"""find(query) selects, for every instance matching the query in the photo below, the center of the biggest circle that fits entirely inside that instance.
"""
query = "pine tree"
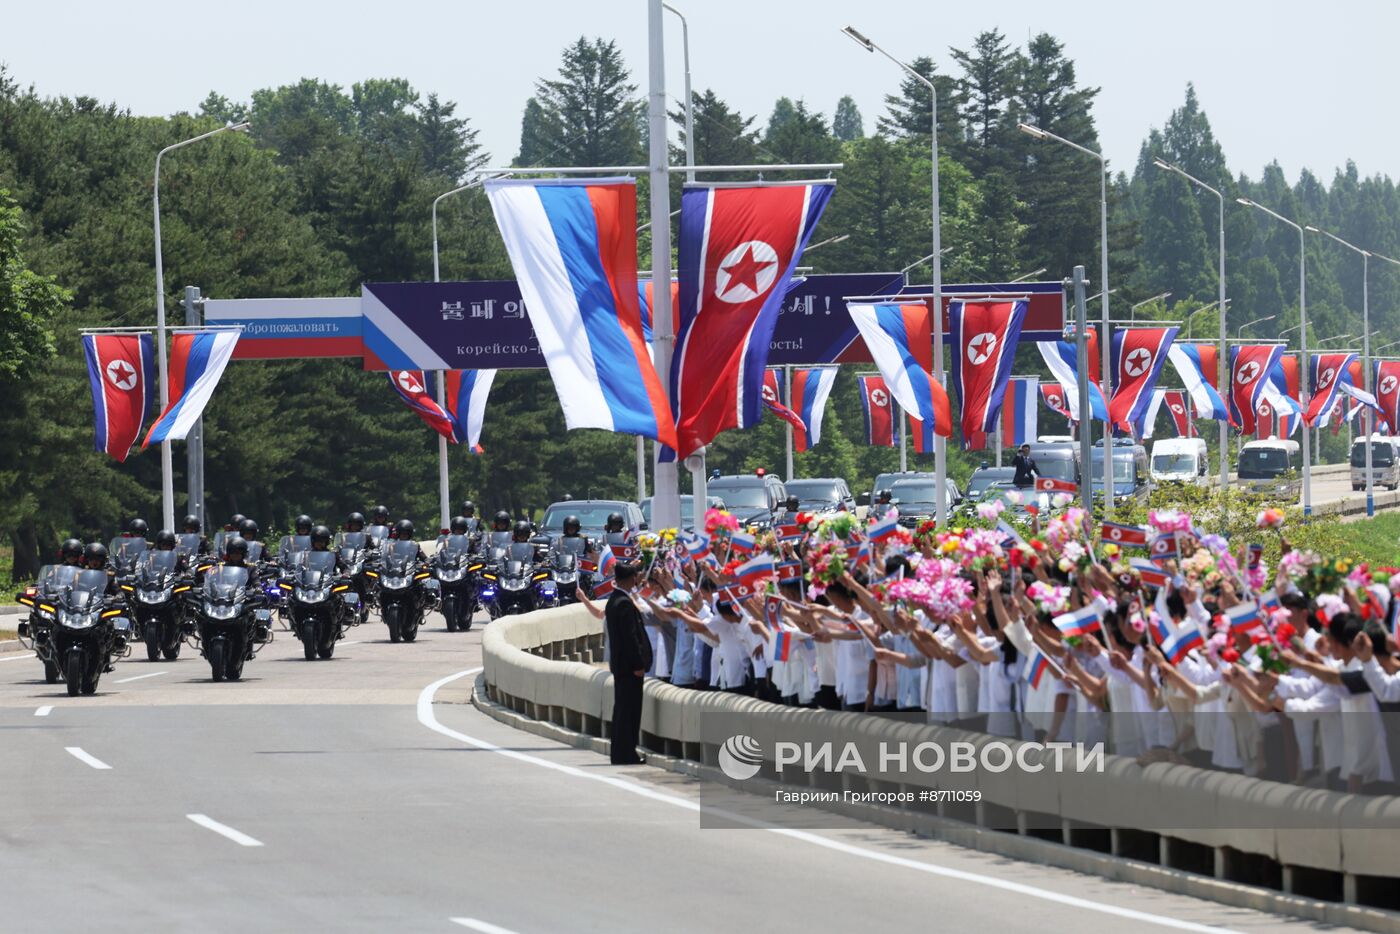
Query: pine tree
(802, 138)
(990, 72)
(589, 115)
(908, 111)
(722, 136)
(847, 125)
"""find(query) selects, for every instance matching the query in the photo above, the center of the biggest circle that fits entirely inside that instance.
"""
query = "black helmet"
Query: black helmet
(248, 529)
(71, 549)
(95, 555)
(614, 522)
(458, 525)
(884, 496)
(521, 531)
(572, 525)
(191, 524)
(235, 522)
(302, 524)
(165, 540)
(379, 515)
(501, 523)
(468, 508)
(320, 536)
(138, 528)
(235, 547)
(355, 522)
(403, 530)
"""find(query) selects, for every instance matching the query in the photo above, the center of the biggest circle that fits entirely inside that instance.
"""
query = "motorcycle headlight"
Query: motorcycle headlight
(155, 596)
(305, 595)
(394, 583)
(220, 610)
(516, 583)
(77, 620)
(448, 575)
(566, 577)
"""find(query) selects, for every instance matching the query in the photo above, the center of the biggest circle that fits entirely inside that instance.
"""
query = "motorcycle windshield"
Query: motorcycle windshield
(351, 540)
(187, 543)
(317, 566)
(565, 560)
(126, 551)
(500, 538)
(573, 544)
(455, 546)
(379, 532)
(521, 551)
(55, 576)
(225, 583)
(291, 548)
(157, 564)
(514, 569)
(399, 558)
(87, 588)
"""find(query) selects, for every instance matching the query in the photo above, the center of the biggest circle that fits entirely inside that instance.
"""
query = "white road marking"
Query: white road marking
(77, 753)
(485, 927)
(44, 711)
(223, 830)
(149, 674)
(18, 658)
(428, 718)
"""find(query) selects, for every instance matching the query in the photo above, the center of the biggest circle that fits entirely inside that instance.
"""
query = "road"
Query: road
(337, 796)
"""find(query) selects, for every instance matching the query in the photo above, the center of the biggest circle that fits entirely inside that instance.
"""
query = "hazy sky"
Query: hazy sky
(1307, 83)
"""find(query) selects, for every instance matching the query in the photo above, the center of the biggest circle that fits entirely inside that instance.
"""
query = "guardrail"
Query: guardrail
(546, 666)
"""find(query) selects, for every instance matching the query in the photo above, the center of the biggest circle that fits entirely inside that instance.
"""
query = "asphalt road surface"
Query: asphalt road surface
(337, 796)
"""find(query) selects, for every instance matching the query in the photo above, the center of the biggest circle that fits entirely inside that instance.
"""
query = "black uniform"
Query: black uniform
(629, 653)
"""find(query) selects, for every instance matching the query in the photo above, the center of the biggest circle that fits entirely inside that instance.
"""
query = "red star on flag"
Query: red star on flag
(745, 270)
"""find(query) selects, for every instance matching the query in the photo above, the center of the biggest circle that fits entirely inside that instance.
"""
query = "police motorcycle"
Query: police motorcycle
(361, 565)
(520, 579)
(190, 547)
(569, 564)
(86, 628)
(36, 632)
(229, 622)
(291, 549)
(125, 551)
(407, 589)
(454, 567)
(153, 594)
(321, 603)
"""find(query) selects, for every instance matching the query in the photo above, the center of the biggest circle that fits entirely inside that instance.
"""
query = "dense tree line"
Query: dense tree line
(332, 188)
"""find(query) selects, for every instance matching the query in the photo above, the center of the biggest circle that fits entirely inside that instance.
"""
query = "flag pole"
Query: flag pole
(787, 400)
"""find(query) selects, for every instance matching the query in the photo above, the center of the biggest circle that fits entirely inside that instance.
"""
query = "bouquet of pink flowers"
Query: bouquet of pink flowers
(1167, 521)
(720, 522)
(938, 588)
(1049, 598)
(826, 563)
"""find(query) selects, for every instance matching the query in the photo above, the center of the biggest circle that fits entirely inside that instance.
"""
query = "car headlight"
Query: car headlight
(155, 596)
(77, 620)
(448, 575)
(310, 596)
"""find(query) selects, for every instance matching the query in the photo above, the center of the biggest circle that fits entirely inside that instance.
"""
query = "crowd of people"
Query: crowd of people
(1161, 641)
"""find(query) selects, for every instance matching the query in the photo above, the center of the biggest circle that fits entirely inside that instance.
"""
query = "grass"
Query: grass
(1376, 540)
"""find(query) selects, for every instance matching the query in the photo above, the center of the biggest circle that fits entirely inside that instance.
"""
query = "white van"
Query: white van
(1271, 466)
(1179, 460)
(1385, 462)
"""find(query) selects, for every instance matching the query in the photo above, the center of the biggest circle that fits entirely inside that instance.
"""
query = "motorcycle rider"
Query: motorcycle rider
(70, 552)
(95, 559)
(615, 533)
(257, 550)
(235, 522)
(379, 515)
(301, 525)
(469, 513)
(137, 528)
(883, 507)
(165, 540)
(404, 532)
(573, 528)
(321, 541)
(191, 526)
(355, 522)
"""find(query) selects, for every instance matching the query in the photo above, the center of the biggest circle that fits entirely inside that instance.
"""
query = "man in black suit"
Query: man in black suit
(629, 659)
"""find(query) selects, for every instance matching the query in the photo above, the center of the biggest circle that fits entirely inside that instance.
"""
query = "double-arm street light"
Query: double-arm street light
(1240, 333)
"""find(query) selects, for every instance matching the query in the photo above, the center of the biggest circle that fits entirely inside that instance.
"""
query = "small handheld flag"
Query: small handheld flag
(1151, 575)
(1244, 616)
(1054, 485)
(1040, 664)
(883, 530)
(1129, 535)
(1079, 623)
(742, 542)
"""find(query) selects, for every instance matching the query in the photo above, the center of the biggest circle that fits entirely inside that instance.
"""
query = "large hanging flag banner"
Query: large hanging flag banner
(1197, 366)
(1179, 407)
(1326, 372)
(1285, 376)
(573, 246)
(810, 388)
(1387, 383)
(1020, 414)
(122, 375)
(984, 336)
(412, 387)
(1145, 426)
(1061, 357)
(1250, 366)
(1360, 395)
(878, 409)
(773, 399)
(739, 245)
(901, 344)
(466, 403)
(197, 361)
(1054, 396)
(1281, 397)
(1137, 355)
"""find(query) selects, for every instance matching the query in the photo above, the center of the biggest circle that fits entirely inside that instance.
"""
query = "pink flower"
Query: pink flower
(989, 511)
(1170, 520)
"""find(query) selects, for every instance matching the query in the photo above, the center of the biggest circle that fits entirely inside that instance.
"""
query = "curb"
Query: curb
(1029, 849)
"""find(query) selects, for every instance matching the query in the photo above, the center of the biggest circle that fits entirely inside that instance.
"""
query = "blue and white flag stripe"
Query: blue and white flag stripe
(209, 353)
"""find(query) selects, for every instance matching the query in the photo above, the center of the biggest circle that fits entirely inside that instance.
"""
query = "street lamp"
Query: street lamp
(1029, 275)
(1386, 346)
(1335, 337)
(1191, 314)
(1097, 294)
(940, 447)
(1132, 309)
(1221, 300)
(1240, 333)
(167, 478)
(1287, 331)
(1302, 341)
(828, 240)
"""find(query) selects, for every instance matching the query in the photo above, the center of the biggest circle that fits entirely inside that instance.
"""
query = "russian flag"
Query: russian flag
(781, 647)
(1197, 365)
(899, 338)
(122, 375)
(412, 387)
(1040, 664)
(645, 296)
(742, 541)
(1119, 534)
(197, 361)
(697, 544)
(1150, 574)
(1062, 359)
(1268, 600)
(754, 571)
(466, 403)
(607, 562)
(1024, 414)
(878, 411)
(573, 246)
(1244, 616)
(810, 388)
(882, 530)
(1179, 643)
(738, 247)
(1079, 623)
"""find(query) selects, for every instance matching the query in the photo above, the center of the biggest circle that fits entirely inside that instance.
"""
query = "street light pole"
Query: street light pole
(1132, 309)
(940, 447)
(1222, 369)
(697, 477)
(1106, 338)
(1302, 341)
(167, 472)
(666, 503)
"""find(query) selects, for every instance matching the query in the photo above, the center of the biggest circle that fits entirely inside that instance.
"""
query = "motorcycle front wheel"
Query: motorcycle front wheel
(73, 673)
(233, 664)
(50, 672)
(215, 654)
(391, 619)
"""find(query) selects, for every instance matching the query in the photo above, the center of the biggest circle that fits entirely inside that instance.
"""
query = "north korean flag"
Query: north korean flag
(1388, 390)
(1054, 397)
(1327, 372)
(773, 400)
(1179, 405)
(984, 337)
(122, 376)
(878, 410)
(1138, 355)
(1131, 535)
(412, 387)
(1054, 485)
(1250, 366)
(739, 245)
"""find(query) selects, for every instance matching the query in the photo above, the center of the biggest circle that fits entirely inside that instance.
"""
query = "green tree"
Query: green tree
(589, 115)
(908, 112)
(802, 138)
(847, 125)
(990, 74)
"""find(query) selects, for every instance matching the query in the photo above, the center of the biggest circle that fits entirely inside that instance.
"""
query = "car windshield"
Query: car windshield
(1124, 470)
(1056, 465)
(915, 491)
(1174, 463)
(735, 496)
(590, 516)
(982, 480)
(1263, 463)
(1382, 454)
(814, 491)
